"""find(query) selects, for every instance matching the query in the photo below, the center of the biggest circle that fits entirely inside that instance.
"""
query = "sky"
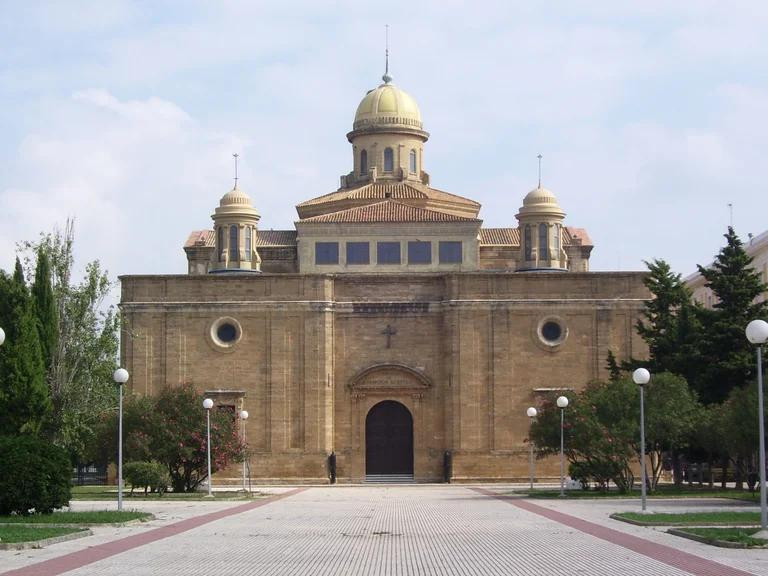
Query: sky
(651, 116)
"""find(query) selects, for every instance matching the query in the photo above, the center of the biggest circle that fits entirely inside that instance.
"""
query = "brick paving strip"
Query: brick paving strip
(671, 556)
(81, 558)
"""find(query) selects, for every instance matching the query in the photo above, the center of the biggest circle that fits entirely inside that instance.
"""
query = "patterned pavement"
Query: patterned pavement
(387, 530)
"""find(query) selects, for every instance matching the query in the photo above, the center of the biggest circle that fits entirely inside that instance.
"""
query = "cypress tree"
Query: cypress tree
(727, 356)
(24, 398)
(45, 308)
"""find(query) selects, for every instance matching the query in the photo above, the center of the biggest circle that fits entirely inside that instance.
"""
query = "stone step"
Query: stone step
(389, 478)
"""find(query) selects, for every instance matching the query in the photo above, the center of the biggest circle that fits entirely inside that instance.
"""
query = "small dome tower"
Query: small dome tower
(541, 232)
(235, 226)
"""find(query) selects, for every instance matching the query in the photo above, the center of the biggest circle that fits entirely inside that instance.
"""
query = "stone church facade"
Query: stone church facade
(389, 327)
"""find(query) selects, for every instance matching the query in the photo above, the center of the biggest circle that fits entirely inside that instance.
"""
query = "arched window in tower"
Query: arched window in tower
(556, 245)
(389, 160)
(413, 162)
(248, 245)
(363, 163)
(233, 242)
(220, 242)
(543, 242)
(528, 241)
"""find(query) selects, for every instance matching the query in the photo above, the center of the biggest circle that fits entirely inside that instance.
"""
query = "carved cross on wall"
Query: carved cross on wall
(389, 332)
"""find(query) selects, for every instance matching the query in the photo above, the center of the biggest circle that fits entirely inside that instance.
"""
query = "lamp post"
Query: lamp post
(531, 412)
(208, 404)
(641, 377)
(243, 418)
(120, 377)
(757, 334)
(562, 402)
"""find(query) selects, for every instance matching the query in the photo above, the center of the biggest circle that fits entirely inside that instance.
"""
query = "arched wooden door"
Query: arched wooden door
(389, 440)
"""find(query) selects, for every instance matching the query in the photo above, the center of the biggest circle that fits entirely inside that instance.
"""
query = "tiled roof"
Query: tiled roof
(395, 190)
(511, 237)
(200, 238)
(276, 238)
(577, 236)
(388, 211)
(264, 238)
(499, 237)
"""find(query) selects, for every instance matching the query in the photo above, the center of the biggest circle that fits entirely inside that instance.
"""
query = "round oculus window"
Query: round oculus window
(551, 331)
(226, 332)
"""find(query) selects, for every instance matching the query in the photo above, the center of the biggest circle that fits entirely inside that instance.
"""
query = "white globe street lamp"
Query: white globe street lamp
(641, 377)
(243, 418)
(2, 336)
(120, 377)
(208, 404)
(531, 412)
(757, 334)
(562, 403)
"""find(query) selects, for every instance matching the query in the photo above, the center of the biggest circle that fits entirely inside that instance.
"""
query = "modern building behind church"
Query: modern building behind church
(388, 326)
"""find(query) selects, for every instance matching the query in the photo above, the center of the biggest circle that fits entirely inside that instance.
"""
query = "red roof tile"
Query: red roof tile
(388, 211)
(395, 190)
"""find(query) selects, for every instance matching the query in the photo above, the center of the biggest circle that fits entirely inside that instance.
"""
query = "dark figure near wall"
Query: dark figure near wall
(332, 467)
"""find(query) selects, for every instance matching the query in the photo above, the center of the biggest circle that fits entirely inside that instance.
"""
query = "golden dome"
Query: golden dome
(387, 105)
(235, 197)
(236, 204)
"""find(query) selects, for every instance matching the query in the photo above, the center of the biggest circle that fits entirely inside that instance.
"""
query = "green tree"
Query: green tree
(86, 341)
(602, 427)
(171, 428)
(45, 309)
(727, 358)
(24, 399)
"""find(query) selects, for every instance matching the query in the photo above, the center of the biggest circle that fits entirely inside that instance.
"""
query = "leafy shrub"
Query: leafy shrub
(35, 476)
(151, 476)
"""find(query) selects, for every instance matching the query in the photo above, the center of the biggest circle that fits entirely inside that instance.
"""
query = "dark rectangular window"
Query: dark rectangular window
(358, 253)
(419, 252)
(326, 252)
(388, 252)
(450, 252)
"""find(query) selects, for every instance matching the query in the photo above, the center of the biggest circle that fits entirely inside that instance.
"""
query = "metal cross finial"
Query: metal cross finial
(235, 156)
(730, 209)
(387, 78)
(539, 157)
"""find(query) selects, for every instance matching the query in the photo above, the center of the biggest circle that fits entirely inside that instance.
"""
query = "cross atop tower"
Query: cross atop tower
(539, 157)
(235, 156)
(387, 78)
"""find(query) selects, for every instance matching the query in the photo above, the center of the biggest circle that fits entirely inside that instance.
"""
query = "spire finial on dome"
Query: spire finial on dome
(235, 156)
(539, 157)
(387, 78)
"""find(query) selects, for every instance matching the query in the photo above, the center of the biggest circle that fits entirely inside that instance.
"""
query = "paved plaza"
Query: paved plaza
(387, 530)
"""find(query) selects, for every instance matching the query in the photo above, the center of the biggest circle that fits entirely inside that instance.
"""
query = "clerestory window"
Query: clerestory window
(389, 160)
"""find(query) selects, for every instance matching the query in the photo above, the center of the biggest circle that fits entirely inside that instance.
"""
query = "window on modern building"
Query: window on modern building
(358, 253)
(389, 160)
(419, 252)
(528, 243)
(388, 253)
(248, 243)
(326, 252)
(363, 163)
(450, 252)
(413, 161)
(220, 242)
(233, 242)
(543, 242)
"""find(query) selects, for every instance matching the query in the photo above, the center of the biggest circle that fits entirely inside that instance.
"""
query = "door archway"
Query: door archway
(388, 440)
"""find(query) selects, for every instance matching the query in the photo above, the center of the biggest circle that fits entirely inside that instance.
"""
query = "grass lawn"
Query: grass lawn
(93, 517)
(741, 536)
(691, 518)
(110, 493)
(15, 534)
(661, 492)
